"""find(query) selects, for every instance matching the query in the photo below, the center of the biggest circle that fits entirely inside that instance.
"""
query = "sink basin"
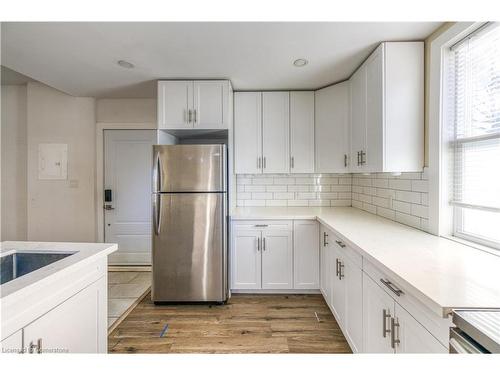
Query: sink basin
(18, 264)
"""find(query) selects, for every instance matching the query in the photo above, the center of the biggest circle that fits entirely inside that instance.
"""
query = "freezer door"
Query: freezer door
(189, 247)
(189, 168)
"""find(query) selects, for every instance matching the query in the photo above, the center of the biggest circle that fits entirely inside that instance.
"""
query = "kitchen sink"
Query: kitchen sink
(18, 264)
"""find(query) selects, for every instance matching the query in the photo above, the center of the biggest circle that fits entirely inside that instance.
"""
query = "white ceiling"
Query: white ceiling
(80, 58)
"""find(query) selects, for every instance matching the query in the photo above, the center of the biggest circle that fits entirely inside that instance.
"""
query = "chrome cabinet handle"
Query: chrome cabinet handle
(39, 346)
(340, 243)
(394, 338)
(325, 236)
(363, 159)
(260, 225)
(385, 314)
(392, 287)
(358, 157)
(258, 243)
(341, 268)
(258, 162)
(195, 115)
(292, 162)
(345, 160)
(337, 267)
(264, 244)
(189, 116)
(264, 164)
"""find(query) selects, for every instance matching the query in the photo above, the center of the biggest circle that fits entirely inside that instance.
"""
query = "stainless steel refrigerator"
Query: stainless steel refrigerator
(189, 223)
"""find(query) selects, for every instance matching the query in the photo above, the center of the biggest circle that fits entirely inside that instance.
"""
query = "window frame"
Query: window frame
(441, 212)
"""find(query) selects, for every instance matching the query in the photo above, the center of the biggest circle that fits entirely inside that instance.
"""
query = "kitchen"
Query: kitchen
(264, 198)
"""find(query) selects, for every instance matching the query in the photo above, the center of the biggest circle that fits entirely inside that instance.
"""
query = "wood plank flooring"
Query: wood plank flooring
(246, 324)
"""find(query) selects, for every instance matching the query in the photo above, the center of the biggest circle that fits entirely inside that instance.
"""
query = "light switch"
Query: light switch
(52, 161)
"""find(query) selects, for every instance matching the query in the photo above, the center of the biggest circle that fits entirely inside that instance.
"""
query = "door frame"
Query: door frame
(99, 193)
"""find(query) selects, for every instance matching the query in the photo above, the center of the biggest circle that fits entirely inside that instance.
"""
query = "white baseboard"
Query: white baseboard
(275, 291)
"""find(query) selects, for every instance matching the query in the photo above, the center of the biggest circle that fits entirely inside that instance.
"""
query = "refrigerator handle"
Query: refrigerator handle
(157, 213)
(157, 173)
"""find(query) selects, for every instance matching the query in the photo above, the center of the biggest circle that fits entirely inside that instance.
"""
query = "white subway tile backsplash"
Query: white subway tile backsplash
(276, 188)
(400, 198)
(400, 184)
(306, 195)
(408, 196)
(262, 195)
(420, 185)
(294, 190)
(404, 207)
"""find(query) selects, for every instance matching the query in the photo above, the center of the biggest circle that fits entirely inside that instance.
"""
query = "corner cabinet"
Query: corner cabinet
(332, 129)
(387, 110)
(193, 104)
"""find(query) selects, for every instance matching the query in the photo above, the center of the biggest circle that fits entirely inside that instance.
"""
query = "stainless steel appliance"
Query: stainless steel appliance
(189, 223)
(476, 331)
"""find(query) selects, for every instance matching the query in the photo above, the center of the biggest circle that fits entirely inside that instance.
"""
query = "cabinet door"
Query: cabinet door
(375, 324)
(13, 343)
(302, 132)
(275, 132)
(210, 104)
(277, 260)
(306, 254)
(175, 100)
(332, 128)
(338, 286)
(374, 112)
(413, 337)
(353, 318)
(358, 117)
(75, 326)
(248, 132)
(246, 259)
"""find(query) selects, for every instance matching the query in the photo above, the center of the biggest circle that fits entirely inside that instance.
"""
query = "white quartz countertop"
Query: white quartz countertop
(83, 253)
(442, 273)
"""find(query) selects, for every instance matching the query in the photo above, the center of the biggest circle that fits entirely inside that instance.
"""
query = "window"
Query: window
(475, 136)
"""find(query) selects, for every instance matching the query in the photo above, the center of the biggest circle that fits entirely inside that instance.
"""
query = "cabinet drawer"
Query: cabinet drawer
(436, 325)
(345, 250)
(285, 225)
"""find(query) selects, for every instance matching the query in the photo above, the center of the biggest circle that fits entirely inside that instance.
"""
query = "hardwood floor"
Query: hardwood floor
(246, 324)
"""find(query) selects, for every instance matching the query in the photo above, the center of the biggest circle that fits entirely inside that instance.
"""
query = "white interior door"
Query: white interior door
(127, 173)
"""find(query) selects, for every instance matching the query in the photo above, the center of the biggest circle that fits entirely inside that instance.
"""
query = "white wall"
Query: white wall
(14, 163)
(126, 110)
(56, 211)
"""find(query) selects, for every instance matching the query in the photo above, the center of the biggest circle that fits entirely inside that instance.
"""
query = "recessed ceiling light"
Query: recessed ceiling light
(300, 62)
(125, 64)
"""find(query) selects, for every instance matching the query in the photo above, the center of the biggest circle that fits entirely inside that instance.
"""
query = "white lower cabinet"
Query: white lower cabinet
(277, 259)
(262, 255)
(305, 254)
(73, 326)
(378, 308)
(246, 260)
(13, 343)
(389, 328)
(412, 336)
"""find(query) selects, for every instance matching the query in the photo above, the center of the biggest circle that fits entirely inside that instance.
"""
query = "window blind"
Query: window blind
(475, 134)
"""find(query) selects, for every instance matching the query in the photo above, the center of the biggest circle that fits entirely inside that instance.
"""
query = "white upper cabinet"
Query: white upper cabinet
(275, 132)
(302, 131)
(332, 129)
(175, 101)
(193, 104)
(387, 113)
(248, 132)
(211, 104)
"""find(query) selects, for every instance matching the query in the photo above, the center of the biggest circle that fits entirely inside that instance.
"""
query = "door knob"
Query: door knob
(108, 207)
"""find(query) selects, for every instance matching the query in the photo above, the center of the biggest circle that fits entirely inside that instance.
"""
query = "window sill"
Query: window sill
(474, 245)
